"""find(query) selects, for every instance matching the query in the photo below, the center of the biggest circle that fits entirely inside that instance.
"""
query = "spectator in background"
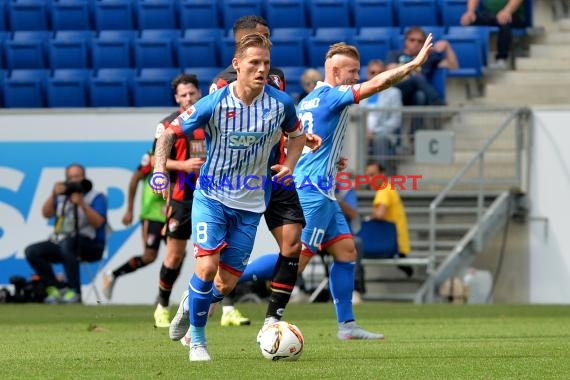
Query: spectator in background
(505, 14)
(383, 127)
(417, 89)
(309, 80)
(79, 234)
(152, 216)
(388, 206)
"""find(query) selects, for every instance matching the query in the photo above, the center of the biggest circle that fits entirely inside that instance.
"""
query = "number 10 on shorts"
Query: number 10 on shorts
(317, 237)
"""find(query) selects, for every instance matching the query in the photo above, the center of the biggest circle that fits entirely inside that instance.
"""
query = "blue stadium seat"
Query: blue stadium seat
(379, 239)
(417, 12)
(373, 13)
(26, 50)
(3, 75)
(156, 14)
(4, 36)
(151, 88)
(329, 13)
(439, 82)
(319, 44)
(112, 49)
(113, 15)
(289, 46)
(293, 79)
(198, 14)
(286, 13)
(234, 9)
(199, 47)
(71, 14)
(68, 88)
(227, 50)
(111, 88)
(69, 49)
(28, 15)
(2, 16)
(205, 76)
(451, 12)
(25, 89)
(375, 43)
(483, 32)
(155, 48)
(468, 52)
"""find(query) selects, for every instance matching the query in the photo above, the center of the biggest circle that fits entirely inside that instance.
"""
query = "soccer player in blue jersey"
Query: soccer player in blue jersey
(243, 123)
(325, 112)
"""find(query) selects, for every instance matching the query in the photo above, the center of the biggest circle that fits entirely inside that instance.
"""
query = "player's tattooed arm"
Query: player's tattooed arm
(162, 151)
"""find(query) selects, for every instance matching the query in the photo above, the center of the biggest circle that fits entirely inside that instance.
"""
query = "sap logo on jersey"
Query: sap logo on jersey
(243, 140)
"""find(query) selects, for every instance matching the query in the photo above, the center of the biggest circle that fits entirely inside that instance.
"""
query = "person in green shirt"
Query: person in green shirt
(152, 216)
(505, 14)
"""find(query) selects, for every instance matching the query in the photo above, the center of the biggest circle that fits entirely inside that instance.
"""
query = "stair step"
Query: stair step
(564, 24)
(533, 78)
(424, 244)
(555, 38)
(522, 94)
(549, 51)
(440, 227)
(539, 63)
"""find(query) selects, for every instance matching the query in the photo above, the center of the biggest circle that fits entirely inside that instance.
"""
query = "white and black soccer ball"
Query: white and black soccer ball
(281, 341)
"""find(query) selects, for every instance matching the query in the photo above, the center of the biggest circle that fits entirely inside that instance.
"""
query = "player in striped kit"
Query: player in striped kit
(243, 124)
(325, 112)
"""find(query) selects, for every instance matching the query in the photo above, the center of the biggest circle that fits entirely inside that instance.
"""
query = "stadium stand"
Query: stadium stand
(151, 87)
(27, 50)
(28, 15)
(329, 13)
(68, 88)
(111, 88)
(198, 14)
(71, 15)
(323, 38)
(113, 15)
(286, 13)
(375, 43)
(70, 49)
(112, 49)
(205, 76)
(199, 47)
(374, 13)
(156, 14)
(289, 47)
(155, 48)
(417, 12)
(25, 88)
(234, 9)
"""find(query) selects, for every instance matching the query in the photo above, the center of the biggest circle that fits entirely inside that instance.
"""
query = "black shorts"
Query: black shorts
(284, 208)
(178, 220)
(152, 234)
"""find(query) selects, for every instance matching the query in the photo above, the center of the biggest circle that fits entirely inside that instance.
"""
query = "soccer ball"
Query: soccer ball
(281, 341)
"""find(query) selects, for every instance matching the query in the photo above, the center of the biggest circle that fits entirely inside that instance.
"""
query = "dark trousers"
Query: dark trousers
(505, 31)
(42, 255)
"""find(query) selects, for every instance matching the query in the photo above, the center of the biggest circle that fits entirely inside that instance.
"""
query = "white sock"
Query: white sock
(227, 309)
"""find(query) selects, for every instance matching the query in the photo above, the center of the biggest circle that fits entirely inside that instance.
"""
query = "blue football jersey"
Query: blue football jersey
(240, 143)
(325, 113)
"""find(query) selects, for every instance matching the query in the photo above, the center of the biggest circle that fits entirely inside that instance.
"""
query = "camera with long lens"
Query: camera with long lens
(83, 187)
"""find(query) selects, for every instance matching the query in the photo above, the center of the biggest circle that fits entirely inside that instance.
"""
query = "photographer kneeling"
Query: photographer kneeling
(79, 234)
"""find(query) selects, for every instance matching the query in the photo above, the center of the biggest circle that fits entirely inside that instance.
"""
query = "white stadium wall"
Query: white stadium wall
(36, 146)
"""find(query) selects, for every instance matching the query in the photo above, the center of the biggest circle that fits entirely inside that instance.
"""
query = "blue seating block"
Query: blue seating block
(468, 51)
(198, 14)
(25, 89)
(374, 13)
(68, 88)
(156, 14)
(286, 13)
(329, 13)
(151, 88)
(112, 49)
(28, 15)
(26, 50)
(289, 46)
(199, 47)
(417, 12)
(234, 9)
(374, 43)
(69, 49)
(111, 88)
(293, 79)
(113, 15)
(320, 43)
(205, 76)
(155, 48)
(71, 14)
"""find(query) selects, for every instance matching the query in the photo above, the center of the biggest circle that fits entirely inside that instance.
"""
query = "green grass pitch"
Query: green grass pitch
(422, 342)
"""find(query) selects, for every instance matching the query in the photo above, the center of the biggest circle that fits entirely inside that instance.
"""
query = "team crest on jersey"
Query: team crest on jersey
(275, 79)
(159, 130)
(243, 140)
(186, 114)
(173, 225)
(151, 239)
(230, 114)
(145, 160)
(266, 114)
(213, 88)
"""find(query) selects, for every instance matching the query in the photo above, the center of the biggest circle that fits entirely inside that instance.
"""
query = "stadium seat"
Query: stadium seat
(205, 76)
(329, 13)
(319, 44)
(439, 82)
(112, 49)
(379, 239)
(227, 49)
(156, 14)
(3, 75)
(293, 79)
(25, 89)
(199, 47)
(151, 88)
(113, 15)
(374, 43)
(4, 36)
(286, 13)
(289, 46)
(69, 49)
(198, 14)
(71, 15)
(26, 50)
(28, 15)
(68, 88)
(483, 32)
(234, 9)
(155, 48)
(111, 88)
(417, 12)
(468, 52)
(2, 16)
(373, 13)
(451, 12)
(436, 31)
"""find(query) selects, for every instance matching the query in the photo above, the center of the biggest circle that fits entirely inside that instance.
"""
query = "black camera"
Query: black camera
(83, 187)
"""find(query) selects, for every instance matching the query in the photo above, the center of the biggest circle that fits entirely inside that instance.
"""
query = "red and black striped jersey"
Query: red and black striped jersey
(183, 149)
